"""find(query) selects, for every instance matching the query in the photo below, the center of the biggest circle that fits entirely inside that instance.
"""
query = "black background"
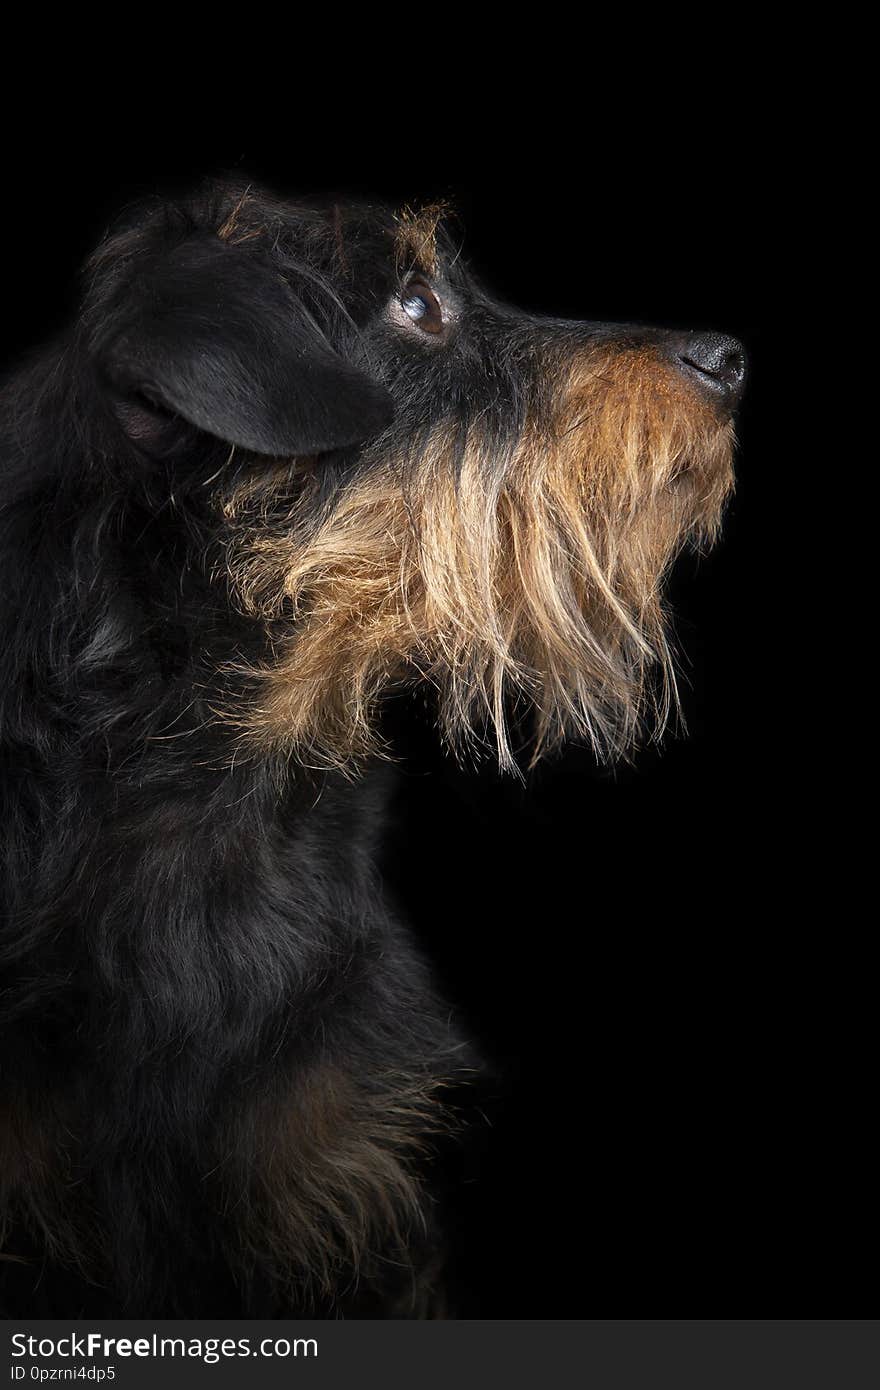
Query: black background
(636, 948)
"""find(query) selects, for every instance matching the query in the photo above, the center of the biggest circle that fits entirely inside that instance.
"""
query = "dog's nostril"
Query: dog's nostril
(720, 361)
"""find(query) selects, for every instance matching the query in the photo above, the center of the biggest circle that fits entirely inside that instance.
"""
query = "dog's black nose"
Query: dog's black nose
(719, 361)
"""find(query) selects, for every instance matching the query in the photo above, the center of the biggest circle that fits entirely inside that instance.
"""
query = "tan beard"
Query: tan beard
(533, 577)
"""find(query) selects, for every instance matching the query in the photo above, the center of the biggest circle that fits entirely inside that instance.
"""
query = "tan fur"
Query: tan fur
(539, 578)
(416, 239)
(335, 1188)
(330, 1190)
(235, 229)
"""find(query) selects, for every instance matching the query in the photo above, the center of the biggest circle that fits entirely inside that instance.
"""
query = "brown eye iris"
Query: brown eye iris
(422, 305)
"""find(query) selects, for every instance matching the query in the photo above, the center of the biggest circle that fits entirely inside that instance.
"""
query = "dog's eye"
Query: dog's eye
(422, 305)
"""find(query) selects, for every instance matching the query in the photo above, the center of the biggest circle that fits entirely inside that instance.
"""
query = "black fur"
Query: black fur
(177, 935)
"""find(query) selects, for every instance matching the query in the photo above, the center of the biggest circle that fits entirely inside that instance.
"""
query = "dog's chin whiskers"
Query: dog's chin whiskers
(538, 577)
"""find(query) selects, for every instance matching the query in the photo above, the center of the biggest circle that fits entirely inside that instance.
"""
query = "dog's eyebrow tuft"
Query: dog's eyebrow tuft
(416, 237)
(232, 229)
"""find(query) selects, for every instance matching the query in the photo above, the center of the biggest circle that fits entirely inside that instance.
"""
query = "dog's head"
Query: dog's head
(415, 480)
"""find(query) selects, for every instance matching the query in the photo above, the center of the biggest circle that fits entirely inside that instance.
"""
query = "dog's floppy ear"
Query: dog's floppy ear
(214, 335)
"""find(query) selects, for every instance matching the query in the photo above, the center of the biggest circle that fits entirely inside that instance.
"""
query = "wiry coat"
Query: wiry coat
(242, 496)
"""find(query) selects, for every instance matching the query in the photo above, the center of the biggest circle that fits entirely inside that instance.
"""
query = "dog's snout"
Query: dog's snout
(719, 361)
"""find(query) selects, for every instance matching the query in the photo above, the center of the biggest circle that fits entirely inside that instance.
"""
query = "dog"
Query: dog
(288, 460)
